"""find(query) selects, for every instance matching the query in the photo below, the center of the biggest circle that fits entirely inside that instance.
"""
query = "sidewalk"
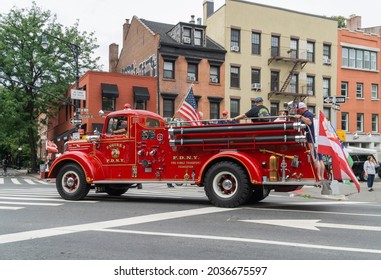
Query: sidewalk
(343, 192)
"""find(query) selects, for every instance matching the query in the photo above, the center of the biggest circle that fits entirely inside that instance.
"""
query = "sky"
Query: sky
(106, 18)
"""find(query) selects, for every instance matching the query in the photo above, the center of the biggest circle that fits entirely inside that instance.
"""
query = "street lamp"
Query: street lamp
(75, 50)
(19, 158)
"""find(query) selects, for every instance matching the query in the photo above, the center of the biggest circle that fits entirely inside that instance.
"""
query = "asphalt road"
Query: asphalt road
(157, 223)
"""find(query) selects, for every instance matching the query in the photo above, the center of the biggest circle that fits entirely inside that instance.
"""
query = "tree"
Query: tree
(33, 80)
(341, 21)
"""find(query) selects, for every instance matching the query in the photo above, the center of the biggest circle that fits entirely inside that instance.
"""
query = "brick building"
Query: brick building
(178, 56)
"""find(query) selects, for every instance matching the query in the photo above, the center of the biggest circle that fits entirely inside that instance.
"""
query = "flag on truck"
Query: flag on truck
(188, 109)
(51, 147)
(328, 143)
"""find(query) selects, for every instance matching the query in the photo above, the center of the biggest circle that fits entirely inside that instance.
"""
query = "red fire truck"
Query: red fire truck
(235, 163)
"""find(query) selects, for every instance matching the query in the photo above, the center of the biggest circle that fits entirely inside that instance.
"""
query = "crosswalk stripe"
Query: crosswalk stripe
(45, 199)
(10, 208)
(1, 180)
(30, 203)
(15, 181)
(29, 181)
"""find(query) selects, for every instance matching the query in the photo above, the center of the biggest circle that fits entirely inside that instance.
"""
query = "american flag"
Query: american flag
(188, 110)
(329, 144)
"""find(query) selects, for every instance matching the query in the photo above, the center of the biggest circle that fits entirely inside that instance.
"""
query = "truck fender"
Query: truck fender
(89, 165)
(253, 168)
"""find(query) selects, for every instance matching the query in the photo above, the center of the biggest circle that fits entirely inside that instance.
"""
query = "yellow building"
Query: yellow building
(281, 55)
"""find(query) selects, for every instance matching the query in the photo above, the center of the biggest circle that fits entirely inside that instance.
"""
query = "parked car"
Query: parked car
(359, 156)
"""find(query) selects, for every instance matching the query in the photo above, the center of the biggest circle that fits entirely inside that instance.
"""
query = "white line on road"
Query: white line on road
(45, 199)
(1, 180)
(30, 203)
(15, 181)
(10, 208)
(248, 240)
(33, 234)
(29, 181)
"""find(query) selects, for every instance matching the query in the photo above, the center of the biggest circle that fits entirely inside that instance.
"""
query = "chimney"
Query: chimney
(354, 22)
(126, 27)
(208, 8)
(113, 52)
(199, 21)
(192, 19)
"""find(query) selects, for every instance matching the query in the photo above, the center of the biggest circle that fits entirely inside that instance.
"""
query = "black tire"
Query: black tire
(259, 195)
(71, 182)
(227, 185)
(116, 191)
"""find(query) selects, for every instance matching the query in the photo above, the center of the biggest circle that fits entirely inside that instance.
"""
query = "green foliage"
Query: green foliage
(33, 80)
(341, 21)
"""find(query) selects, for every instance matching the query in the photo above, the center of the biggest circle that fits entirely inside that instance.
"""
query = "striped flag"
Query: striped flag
(188, 110)
(329, 144)
(51, 147)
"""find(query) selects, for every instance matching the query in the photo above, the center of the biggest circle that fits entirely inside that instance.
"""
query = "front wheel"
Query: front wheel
(227, 184)
(71, 182)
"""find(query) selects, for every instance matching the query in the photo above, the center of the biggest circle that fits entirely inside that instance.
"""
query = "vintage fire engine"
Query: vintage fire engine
(235, 163)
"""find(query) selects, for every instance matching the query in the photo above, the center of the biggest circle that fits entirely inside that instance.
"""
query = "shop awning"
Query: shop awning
(110, 90)
(141, 93)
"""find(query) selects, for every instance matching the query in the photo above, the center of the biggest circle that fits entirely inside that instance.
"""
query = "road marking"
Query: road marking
(1, 180)
(29, 181)
(10, 208)
(311, 224)
(15, 181)
(30, 203)
(33, 234)
(315, 212)
(46, 199)
(247, 240)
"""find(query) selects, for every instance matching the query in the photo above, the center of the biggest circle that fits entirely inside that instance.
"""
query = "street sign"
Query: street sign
(334, 99)
(75, 121)
(87, 116)
(335, 107)
(78, 94)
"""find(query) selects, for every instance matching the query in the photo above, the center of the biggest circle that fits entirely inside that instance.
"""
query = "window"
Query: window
(275, 43)
(198, 37)
(234, 77)
(359, 58)
(274, 109)
(375, 123)
(274, 83)
(108, 104)
(359, 90)
(311, 51)
(169, 70)
(256, 43)
(214, 109)
(235, 40)
(192, 74)
(294, 83)
(187, 35)
(374, 92)
(326, 87)
(310, 85)
(326, 53)
(360, 122)
(344, 121)
(255, 79)
(168, 107)
(344, 89)
(294, 48)
(234, 108)
(214, 74)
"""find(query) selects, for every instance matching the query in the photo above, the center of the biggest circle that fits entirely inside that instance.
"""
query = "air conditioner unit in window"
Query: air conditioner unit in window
(186, 40)
(310, 92)
(326, 60)
(214, 80)
(234, 48)
(191, 78)
(256, 86)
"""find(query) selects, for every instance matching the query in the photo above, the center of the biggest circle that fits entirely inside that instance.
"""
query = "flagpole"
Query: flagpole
(181, 103)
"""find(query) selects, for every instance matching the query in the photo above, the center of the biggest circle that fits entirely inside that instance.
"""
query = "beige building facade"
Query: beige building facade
(278, 54)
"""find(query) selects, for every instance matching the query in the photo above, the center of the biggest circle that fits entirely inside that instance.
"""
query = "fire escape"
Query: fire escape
(288, 56)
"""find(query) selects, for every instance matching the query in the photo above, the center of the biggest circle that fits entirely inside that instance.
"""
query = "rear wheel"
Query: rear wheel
(71, 182)
(227, 184)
